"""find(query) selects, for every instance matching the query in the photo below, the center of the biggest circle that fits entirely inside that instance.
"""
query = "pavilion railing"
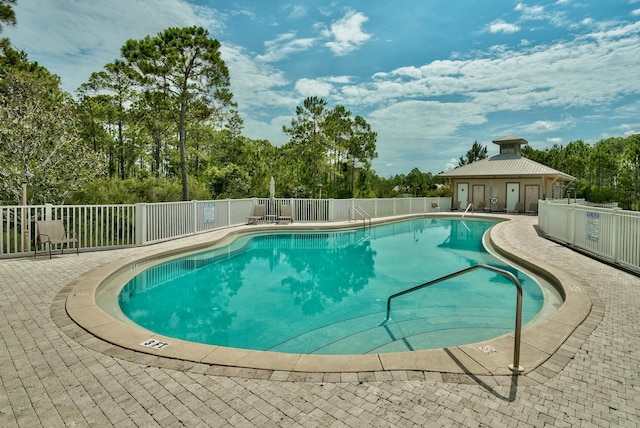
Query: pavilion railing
(117, 226)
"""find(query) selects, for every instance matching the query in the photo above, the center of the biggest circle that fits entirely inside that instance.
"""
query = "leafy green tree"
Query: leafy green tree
(327, 148)
(113, 190)
(630, 171)
(337, 128)
(156, 129)
(361, 149)
(92, 130)
(7, 15)
(115, 89)
(603, 165)
(39, 131)
(308, 142)
(476, 153)
(575, 159)
(185, 65)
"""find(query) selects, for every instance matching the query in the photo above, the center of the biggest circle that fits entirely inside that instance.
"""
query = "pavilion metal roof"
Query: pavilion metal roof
(505, 165)
(510, 139)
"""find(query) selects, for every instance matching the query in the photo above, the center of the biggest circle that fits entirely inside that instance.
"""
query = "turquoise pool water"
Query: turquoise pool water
(326, 292)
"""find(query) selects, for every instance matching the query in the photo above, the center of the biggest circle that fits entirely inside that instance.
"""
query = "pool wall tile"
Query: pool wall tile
(249, 358)
(338, 363)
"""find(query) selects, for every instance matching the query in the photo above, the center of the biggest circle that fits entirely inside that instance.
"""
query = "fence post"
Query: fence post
(330, 209)
(617, 218)
(194, 216)
(141, 224)
(48, 210)
(574, 224)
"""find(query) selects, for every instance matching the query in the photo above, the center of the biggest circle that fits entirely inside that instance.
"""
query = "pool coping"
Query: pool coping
(489, 358)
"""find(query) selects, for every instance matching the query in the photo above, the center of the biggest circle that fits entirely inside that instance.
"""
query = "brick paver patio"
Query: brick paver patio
(54, 374)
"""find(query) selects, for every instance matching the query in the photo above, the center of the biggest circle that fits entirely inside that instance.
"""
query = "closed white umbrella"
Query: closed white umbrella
(272, 196)
(272, 188)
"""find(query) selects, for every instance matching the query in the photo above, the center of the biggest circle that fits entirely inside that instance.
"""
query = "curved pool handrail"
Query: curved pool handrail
(469, 207)
(365, 215)
(515, 367)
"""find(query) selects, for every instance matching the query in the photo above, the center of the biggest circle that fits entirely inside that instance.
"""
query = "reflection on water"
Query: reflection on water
(269, 291)
(321, 269)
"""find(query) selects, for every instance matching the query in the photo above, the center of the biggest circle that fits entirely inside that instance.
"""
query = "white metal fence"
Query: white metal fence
(117, 226)
(610, 233)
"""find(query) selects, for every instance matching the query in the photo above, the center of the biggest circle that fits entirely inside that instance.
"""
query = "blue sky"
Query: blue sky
(431, 77)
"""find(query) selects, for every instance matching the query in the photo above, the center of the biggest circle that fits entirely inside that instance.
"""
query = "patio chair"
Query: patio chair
(480, 206)
(533, 208)
(435, 206)
(258, 214)
(52, 232)
(285, 214)
(519, 208)
(500, 208)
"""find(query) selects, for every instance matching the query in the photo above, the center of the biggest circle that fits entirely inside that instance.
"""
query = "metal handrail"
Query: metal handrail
(362, 212)
(467, 210)
(515, 367)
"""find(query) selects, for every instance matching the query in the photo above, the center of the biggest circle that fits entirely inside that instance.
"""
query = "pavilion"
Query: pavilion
(505, 182)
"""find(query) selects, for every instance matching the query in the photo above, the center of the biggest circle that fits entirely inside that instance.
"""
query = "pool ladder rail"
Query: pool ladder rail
(362, 213)
(515, 367)
(469, 207)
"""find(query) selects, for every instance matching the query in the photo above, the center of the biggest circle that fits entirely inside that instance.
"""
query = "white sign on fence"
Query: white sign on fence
(209, 213)
(593, 226)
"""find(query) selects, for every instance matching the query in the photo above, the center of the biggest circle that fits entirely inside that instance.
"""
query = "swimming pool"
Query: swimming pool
(325, 292)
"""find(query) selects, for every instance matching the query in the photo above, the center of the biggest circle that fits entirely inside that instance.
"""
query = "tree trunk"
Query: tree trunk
(183, 151)
(121, 154)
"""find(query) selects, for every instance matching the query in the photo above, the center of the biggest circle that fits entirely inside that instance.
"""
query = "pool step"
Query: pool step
(406, 330)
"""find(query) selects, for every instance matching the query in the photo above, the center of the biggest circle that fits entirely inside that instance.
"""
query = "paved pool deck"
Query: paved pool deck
(54, 373)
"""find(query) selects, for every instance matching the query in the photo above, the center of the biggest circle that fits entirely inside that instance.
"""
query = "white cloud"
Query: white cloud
(545, 126)
(409, 112)
(532, 13)
(269, 129)
(81, 37)
(259, 90)
(321, 87)
(297, 11)
(285, 45)
(503, 27)
(451, 164)
(346, 34)
(551, 75)
(254, 83)
(314, 87)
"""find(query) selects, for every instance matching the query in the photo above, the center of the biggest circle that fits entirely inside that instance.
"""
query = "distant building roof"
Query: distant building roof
(509, 163)
(510, 139)
(505, 164)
